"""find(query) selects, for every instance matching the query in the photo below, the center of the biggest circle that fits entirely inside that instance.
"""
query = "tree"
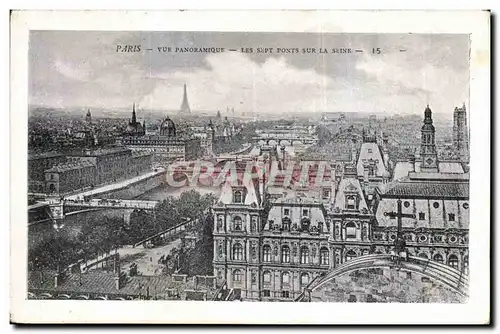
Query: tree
(58, 251)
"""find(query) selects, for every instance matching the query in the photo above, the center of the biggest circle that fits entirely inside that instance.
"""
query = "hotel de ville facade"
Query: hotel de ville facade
(270, 247)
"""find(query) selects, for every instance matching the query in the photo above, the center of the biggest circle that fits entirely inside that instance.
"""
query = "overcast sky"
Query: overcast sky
(83, 69)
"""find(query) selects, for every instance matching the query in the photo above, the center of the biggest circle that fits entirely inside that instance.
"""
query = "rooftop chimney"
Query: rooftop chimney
(116, 264)
(117, 282)
(56, 280)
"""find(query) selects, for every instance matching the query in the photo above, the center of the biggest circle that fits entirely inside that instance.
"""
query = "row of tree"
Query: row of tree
(104, 234)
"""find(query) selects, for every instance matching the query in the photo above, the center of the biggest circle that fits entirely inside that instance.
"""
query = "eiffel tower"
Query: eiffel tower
(185, 104)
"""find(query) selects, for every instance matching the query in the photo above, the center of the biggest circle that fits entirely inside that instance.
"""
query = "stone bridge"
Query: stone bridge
(50, 212)
(448, 276)
(290, 140)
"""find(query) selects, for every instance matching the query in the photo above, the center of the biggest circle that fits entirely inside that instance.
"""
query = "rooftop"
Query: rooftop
(102, 282)
(44, 155)
(62, 167)
(101, 152)
(428, 189)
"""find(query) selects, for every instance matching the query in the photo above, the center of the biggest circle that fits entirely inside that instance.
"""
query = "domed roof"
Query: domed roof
(167, 127)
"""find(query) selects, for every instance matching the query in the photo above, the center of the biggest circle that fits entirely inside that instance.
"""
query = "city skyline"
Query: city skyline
(432, 70)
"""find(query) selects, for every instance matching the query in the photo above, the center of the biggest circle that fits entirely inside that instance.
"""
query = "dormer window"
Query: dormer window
(351, 202)
(238, 196)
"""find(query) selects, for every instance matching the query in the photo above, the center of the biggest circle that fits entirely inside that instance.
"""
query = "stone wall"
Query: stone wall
(135, 189)
(385, 286)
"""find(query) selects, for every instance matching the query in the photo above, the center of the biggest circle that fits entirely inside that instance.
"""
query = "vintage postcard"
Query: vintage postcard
(288, 167)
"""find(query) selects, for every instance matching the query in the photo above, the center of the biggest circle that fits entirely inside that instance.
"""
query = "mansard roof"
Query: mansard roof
(402, 168)
(442, 189)
(347, 186)
(371, 151)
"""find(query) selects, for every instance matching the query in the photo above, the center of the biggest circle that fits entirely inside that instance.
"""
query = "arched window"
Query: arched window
(466, 265)
(304, 255)
(237, 223)
(438, 258)
(349, 255)
(350, 230)
(285, 254)
(238, 196)
(285, 278)
(453, 261)
(266, 252)
(267, 277)
(304, 279)
(423, 256)
(324, 256)
(237, 275)
(237, 252)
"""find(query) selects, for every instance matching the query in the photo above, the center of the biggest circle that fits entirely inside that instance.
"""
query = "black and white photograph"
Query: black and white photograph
(248, 166)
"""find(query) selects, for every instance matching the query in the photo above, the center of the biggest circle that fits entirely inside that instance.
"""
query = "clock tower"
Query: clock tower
(428, 151)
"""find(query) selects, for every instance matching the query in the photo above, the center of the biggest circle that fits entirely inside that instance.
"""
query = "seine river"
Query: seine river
(73, 224)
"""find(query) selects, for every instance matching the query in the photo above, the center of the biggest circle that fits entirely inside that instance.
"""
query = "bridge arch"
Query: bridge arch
(446, 275)
(285, 142)
(272, 142)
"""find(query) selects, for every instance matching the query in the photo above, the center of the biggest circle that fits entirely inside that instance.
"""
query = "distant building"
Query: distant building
(428, 160)
(185, 109)
(70, 176)
(88, 118)
(206, 134)
(332, 117)
(37, 165)
(166, 146)
(460, 133)
(94, 167)
(134, 128)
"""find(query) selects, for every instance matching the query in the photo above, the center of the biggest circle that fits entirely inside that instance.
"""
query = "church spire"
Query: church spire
(134, 118)
(185, 104)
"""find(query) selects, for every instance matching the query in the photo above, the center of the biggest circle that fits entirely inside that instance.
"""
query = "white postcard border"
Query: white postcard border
(475, 23)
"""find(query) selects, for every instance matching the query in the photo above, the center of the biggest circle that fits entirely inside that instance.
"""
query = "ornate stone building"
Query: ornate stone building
(437, 196)
(271, 243)
(166, 146)
(352, 220)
